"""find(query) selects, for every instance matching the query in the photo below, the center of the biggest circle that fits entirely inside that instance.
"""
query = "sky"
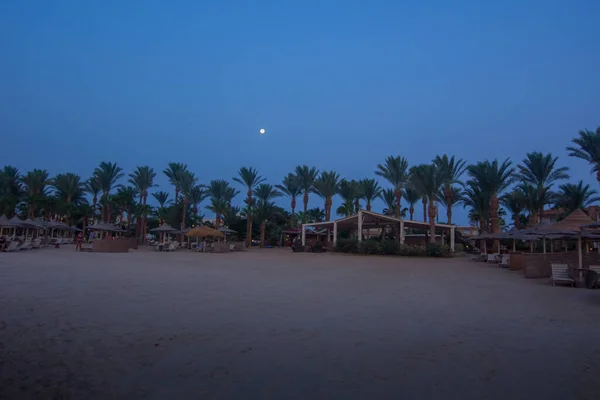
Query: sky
(336, 84)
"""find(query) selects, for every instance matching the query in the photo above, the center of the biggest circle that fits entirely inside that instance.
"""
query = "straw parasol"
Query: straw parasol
(164, 228)
(14, 222)
(227, 231)
(3, 219)
(101, 226)
(571, 226)
(205, 231)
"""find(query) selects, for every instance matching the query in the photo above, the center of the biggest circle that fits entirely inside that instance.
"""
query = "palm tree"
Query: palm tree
(370, 190)
(291, 188)
(395, 171)
(248, 177)
(306, 179)
(514, 202)
(70, 189)
(142, 179)
(316, 214)
(34, 183)
(265, 207)
(479, 203)
(187, 183)
(163, 202)
(327, 186)
(428, 179)
(450, 171)
(11, 189)
(389, 199)
(587, 147)
(221, 194)
(571, 197)
(174, 172)
(349, 191)
(538, 173)
(125, 201)
(450, 197)
(107, 174)
(83, 212)
(411, 195)
(492, 178)
(197, 195)
(93, 188)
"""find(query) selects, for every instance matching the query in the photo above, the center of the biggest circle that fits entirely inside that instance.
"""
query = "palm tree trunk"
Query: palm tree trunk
(263, 226)
(249, 220)
(411, 211)
(431, 222)
(398, 195)
(84, 222)
(368, 205)
(293, 206)
(424, 201)
(305, 207)
(185, 205)
(494, 205)
(144, 217)
(449, 211)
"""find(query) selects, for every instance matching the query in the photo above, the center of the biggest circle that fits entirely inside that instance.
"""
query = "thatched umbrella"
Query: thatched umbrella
(202, 231)
(164, 228)
(227, 231)
(572, 223)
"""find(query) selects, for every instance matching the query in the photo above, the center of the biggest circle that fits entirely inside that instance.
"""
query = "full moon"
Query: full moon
(262, 131)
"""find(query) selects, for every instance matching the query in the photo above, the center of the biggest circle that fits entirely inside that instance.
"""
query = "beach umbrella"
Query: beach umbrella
(572, 223)
(14, 222)
(227, 231)
(164, 228)
(203, 231)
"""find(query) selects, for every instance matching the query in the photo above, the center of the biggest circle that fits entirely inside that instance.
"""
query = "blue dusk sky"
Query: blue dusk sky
(336, 84)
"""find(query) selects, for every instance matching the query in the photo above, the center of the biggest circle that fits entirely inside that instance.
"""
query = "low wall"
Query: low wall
(114, 245)
(537, 265)
(516, 261)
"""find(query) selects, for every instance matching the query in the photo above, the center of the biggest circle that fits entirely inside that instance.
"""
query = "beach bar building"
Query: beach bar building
(369, 220)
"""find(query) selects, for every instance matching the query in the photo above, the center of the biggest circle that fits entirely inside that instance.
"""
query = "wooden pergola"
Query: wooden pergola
(370, 220)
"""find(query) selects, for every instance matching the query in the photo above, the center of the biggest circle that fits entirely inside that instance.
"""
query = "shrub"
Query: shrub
(412, 250)
(437, 250)
(369, 247)
(389, 247)
(347, 246)
(459, 248)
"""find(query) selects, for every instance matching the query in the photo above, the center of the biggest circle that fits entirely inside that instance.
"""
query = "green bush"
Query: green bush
(369, 247)
(389, 247)
(437, 250)
(412, 250)
(347, 246)
(459, 248)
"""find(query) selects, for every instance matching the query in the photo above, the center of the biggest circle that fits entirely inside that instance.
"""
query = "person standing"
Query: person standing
(78, 242)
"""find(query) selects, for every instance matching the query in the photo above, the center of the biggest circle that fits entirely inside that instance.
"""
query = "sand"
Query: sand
(270, 324)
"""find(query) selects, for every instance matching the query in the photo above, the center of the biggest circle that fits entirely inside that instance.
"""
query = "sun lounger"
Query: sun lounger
(491, 258)
(13, 246)
(172, 246)
(37, 243)
(560, 274)
(27, 245)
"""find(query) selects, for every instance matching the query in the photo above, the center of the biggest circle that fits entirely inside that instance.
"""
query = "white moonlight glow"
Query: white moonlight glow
(262, 131)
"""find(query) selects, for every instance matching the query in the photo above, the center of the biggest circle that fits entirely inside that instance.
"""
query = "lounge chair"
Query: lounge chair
(37, 243)
(505, 261)
(491, 258)
(172, 246)
(27, 245)
(13, 246)
(560, 274)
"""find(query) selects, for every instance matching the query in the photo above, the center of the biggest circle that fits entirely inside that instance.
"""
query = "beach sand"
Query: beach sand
(270, 324)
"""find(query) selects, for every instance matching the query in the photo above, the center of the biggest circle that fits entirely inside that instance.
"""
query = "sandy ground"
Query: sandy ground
(269, 324)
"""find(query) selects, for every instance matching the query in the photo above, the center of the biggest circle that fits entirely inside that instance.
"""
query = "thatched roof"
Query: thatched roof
(164, 228)
(572, 223)
(227, 231)
(15, 222)
(101, 226)
(205, 231)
